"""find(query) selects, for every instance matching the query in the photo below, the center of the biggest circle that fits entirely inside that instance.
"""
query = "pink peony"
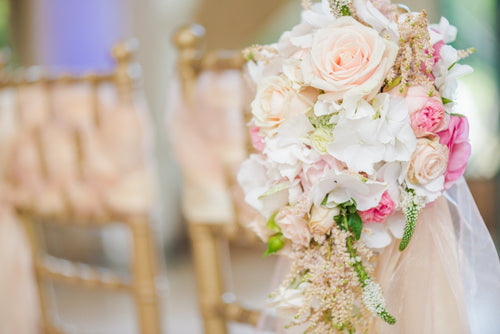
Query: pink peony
(456, 139)
(256, 138)
(427, 113)
(378, 214)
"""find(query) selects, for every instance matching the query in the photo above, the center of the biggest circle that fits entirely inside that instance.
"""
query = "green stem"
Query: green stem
(361, 271)
(358, 265)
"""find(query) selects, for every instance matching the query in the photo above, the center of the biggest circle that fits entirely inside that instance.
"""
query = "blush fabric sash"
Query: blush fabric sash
(448, 279)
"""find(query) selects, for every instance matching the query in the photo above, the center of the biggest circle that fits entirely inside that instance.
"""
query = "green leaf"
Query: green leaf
(446, 101)
(355, 224)
(393, 83)
(387, 317)
(456, 114)
(451, 66)
(325, 200)
(348, 204)
(274, 244)
(352, 209)
(338, 220)
(271, 224)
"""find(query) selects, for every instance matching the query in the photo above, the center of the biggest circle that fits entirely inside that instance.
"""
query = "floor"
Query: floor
(100, 313)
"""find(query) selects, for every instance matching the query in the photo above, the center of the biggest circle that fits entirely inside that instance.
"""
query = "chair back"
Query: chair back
(75, 152)
(213, 203)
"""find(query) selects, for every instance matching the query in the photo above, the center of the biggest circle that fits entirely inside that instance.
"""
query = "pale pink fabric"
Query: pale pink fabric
(64, 153)
(422, 285)
(19, 311)
(209, 138)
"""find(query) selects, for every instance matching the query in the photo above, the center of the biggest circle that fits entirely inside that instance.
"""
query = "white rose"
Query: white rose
(348, 58)
(289, 301)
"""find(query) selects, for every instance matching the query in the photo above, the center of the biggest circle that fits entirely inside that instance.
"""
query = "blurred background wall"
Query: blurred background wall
(77, 35)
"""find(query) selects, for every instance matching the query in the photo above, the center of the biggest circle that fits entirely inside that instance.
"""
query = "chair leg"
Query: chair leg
(209, 277)
(35, 248)
(143, 270)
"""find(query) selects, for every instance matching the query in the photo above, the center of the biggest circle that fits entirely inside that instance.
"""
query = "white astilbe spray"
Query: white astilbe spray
(412, 204)
(373, 297)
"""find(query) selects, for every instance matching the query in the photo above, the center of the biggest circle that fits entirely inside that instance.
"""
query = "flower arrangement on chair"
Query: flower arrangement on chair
(355, 134)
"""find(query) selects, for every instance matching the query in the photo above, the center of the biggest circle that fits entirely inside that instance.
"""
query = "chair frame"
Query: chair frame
(47, 268)
(205, 237)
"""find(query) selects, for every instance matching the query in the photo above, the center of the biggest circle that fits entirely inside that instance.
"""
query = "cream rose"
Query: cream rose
(276, 100)
(348, 58)
(429, 161)
(321, 221)
(293, 227)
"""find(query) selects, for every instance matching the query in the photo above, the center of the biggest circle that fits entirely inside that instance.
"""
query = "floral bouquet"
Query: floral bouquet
(355, 132)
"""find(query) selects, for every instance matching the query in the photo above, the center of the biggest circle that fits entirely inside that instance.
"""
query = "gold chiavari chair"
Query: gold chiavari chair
(206, 236)
(143, 267)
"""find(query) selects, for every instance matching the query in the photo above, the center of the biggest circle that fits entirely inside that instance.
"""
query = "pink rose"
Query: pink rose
(293, 227)
(429, 161)
(256, 138)
(378, 214)
(427, 113)
(456, 139)
(348, 58)
(276, 100)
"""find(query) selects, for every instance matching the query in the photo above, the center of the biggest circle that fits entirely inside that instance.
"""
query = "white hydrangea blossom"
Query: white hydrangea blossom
(377, 132)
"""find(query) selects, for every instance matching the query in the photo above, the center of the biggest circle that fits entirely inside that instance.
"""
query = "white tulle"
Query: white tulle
(478, 261)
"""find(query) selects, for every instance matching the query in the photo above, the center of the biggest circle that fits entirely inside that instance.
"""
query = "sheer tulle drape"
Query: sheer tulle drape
(478, 261)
